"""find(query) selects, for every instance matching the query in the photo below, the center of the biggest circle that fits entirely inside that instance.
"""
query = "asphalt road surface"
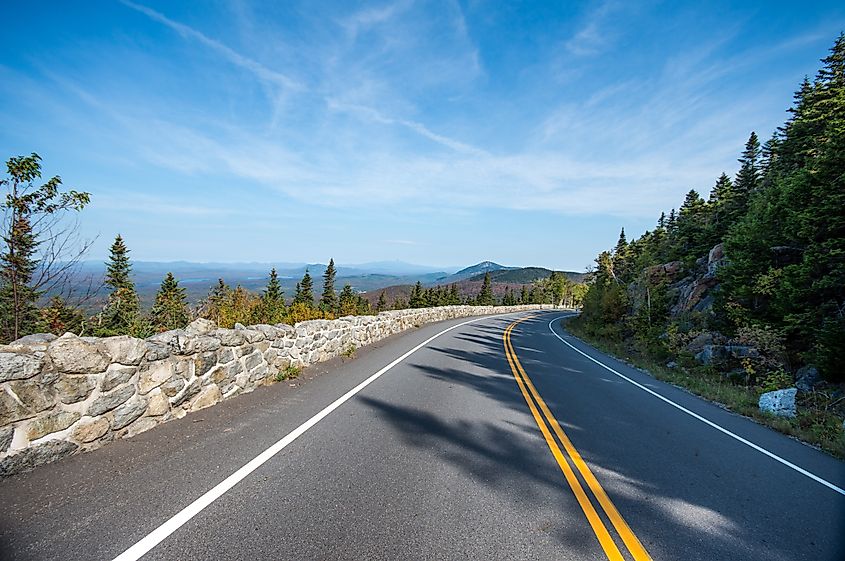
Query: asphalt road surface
(498, 439)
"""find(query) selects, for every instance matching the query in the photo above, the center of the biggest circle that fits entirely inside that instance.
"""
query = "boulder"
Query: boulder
(711, 354)
(35, 456)
(11, 409)
(19, 366)
(37, 394)
(207, 397)
(154, 374)
(699, 342)
(74, 355)
(125, 350)
(807, 378)
(158, 404)
(780, 403)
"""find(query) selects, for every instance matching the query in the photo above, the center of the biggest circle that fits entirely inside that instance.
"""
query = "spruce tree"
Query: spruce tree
(122, 308)
(417, 299)
(305, 291)
(272, 308)
(329, 302)
(524, 297)
(214, 302)
(170, 310)
(381, 305)
(348, 301)
(485, 297)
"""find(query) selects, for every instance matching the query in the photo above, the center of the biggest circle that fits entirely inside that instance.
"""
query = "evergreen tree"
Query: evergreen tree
(305, 291)
(170, 310)
(418, 299)
(122, 309)
(347, 301)
(60, 318)
(485, 297)
(524, 297)
(454, 295)
(329, 302)
(272, 309)
(381, 305)
(211, 308)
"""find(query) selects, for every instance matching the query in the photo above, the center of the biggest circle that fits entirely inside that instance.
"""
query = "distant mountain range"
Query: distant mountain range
(198, 278)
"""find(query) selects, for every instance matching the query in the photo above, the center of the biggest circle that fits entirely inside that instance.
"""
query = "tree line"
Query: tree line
(782, 222)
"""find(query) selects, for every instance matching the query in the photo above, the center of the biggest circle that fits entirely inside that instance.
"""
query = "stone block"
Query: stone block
(19, 366)
(125, 350)
(116, 375)
(130, 411)
(35, 456)
(780, 403)
(74, 355)
(109, 401)
(90, 430)
(48, 424)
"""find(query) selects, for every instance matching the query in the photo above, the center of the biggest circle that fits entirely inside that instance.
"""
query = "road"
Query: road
(497, 439)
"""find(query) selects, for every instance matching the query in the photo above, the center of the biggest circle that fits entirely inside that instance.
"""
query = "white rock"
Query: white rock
(780, 402)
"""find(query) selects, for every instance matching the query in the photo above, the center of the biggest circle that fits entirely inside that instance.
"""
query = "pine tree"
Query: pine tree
(524, 297)
(418, 299)
(305, 291)
(170, 310)
(212, 307)
(347, 301)
(329, 302)
(454, 295)
(381, 305)
(60, 318)
(272, 309)
(122, 308)
(485, 297)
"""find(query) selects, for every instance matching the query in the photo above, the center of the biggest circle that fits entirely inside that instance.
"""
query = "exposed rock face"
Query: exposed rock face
(780, 402)
(807, 378)
(60, 395)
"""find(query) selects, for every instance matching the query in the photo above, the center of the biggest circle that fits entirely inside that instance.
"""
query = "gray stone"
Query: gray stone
(671, 364)
(700, 341)
(203, 363)
(226, 354)
(253, 360)
(109, 401)
(240, 326)
(230, 337)
(156, 351)
(6, 434)
(154, 374)
(173, 386)
(73, 355)
(202, 344)
(19, 366)
(125, 350)
(73, 389)
(54, 422)
(141, 425)
(200, 326)
(90, 430)
(35, 456)
(128, 413)
(742, 351)
(711, 354)
(11, 409)
(36, 341)
(258, 373)
(36, 394)
(189, 392)
(116, 375)
(780, 402)
(807, 378)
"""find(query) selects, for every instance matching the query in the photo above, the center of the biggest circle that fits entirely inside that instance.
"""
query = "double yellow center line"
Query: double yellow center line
(546, 420)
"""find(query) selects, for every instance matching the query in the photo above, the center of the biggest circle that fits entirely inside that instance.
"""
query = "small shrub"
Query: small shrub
(289, 372)
(349, 352)
(776, 380)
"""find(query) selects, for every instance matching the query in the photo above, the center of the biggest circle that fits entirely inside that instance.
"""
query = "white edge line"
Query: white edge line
(155, 537)
(787, 463)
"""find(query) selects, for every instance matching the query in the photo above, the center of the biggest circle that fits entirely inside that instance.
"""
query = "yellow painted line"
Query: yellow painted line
(631, 542)
(594, 519)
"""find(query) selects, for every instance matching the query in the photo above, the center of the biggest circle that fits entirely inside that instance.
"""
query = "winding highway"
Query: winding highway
(497, 438)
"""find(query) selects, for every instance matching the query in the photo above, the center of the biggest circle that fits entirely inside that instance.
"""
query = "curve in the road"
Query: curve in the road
(535, 401)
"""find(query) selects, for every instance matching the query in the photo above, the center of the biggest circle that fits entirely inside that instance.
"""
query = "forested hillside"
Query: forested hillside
(750, 281)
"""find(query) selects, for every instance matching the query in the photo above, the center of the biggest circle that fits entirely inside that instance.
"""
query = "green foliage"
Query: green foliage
(381, 305)
(32, 216)
(329, 301)
(170, 310)
(783, 227)
(349, 352)
(418, 297)
(58, 317)
(305, 291)
(121, 313)
(271, 308)
(485, 297)
(289, 372)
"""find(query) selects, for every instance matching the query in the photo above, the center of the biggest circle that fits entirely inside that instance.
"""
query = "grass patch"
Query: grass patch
(289, 372)
(349, 352)
(815, 423)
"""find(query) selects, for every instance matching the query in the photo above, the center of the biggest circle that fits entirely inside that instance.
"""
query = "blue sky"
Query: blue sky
(440, 133)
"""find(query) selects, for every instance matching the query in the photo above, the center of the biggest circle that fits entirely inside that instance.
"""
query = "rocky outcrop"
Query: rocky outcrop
(62, 395)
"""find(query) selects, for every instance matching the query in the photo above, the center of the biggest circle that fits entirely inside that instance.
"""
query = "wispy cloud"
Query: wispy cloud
(593, 36)
(262, 72)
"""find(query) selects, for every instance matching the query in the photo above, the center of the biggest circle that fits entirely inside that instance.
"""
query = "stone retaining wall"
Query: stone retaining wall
(59, 396)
